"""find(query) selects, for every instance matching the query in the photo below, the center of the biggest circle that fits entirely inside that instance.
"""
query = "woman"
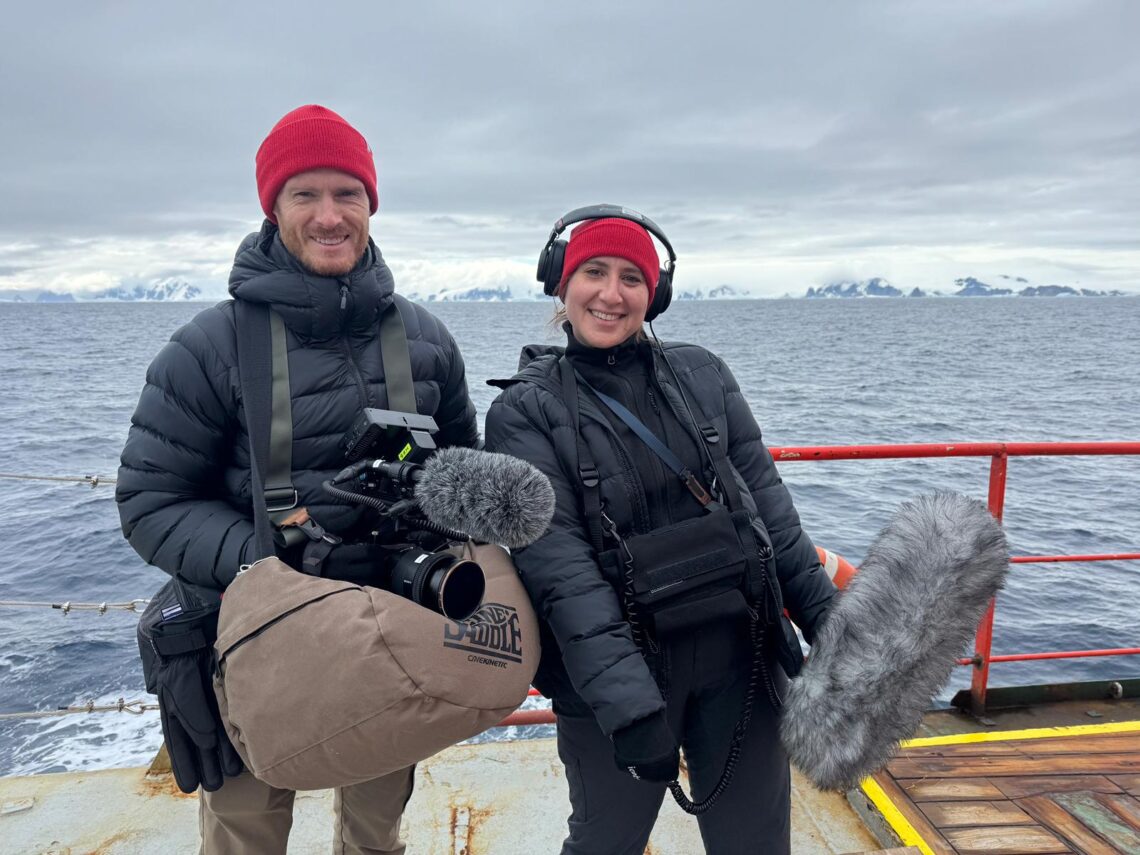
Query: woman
(634, 671)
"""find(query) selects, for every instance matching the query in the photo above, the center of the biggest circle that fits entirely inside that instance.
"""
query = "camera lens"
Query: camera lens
(439, 581)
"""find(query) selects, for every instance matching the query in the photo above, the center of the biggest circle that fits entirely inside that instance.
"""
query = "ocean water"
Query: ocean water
(815, 373)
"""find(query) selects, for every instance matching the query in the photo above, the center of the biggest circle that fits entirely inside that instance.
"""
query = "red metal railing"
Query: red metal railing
(999, 454)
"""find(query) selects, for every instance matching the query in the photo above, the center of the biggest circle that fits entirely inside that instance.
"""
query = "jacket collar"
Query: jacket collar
(313, 307)
(619, 355)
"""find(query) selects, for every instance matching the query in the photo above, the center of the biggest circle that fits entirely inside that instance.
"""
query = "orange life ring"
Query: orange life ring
(838, 568)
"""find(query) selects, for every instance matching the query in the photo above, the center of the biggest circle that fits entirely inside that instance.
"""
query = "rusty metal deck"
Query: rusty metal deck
(498, 798)
(1045, 790)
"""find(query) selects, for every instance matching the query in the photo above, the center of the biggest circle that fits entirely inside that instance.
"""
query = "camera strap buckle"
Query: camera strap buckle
(299, 524)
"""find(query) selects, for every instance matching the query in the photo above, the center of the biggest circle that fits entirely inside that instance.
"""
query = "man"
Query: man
(184, 484)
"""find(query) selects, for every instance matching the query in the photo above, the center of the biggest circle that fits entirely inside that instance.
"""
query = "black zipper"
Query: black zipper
(346, 346)
(281, 617)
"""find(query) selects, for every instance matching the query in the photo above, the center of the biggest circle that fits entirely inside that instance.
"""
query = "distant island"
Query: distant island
(162, 290)
(966, 287)
(504, 295)
(177, 290)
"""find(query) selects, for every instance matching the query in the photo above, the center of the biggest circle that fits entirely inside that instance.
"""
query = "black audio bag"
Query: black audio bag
(680, 576)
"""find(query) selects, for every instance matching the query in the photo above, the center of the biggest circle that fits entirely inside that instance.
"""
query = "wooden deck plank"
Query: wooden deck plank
(973, 767)
(1048, 795)
(952, 789)
(1125, 806)
(966, 749)
(1019, 788)
(1101, 819)
(1091, 743)
(1011, 840)
(1129, 783)
(1055, 817)
(937, 843)
(963, 814)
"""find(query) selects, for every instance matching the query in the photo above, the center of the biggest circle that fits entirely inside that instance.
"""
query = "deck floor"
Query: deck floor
(1052, 790)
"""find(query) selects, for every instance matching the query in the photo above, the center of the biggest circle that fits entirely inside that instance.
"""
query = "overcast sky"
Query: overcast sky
(780, 145)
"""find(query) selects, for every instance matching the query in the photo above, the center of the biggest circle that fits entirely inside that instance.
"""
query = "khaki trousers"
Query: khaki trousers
(249, 817)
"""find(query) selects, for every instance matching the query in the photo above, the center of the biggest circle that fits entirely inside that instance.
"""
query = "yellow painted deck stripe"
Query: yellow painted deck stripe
(1034, 733)
(899, 823)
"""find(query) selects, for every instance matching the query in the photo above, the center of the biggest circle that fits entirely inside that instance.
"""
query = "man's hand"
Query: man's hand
(200, 752)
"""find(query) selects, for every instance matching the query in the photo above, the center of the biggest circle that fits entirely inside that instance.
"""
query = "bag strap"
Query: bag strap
(711, 441)
(397, 358)
(261, 331)
(684, 473)
(587, 471)
(280, 494)
(255, 370)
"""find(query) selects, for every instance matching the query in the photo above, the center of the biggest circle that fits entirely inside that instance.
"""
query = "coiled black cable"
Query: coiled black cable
(697, 808)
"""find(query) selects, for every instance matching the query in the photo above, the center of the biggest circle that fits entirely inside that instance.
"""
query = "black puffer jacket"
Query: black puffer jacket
(595, 655)
(184, 483)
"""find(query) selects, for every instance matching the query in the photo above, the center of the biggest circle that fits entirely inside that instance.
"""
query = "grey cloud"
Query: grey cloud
(860, 123)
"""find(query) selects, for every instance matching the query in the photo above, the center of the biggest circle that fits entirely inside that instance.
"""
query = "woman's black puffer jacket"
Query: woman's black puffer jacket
(594, 654)
(184, 482)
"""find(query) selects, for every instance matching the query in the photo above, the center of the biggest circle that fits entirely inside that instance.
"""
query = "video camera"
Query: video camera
(386, 450)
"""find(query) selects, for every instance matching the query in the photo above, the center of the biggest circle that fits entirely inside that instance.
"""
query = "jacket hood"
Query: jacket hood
(313, 307)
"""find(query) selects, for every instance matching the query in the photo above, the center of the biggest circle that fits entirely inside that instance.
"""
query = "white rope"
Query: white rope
(102, 608)
(133, 707)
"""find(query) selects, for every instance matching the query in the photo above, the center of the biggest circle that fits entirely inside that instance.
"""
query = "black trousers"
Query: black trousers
(705, 677)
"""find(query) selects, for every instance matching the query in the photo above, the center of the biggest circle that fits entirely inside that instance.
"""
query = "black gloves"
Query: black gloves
(200, 751)
(647, 750)
(176, 644)
(359, 563)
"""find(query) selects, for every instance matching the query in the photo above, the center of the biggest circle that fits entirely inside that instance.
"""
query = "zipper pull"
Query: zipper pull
(343, 297)
(610, 526)
(653, 401)
(610, 360)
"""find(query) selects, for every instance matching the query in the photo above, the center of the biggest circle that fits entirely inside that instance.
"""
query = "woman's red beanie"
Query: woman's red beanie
(312, 137)
(612, 236)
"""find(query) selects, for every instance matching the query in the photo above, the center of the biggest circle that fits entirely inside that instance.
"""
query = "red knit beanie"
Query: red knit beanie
(312, 137)
(612, 236)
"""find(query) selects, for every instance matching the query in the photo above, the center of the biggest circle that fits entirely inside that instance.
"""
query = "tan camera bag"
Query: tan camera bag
(324, 684)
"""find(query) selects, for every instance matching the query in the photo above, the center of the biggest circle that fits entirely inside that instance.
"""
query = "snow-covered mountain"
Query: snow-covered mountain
(971, 287)
(720, 292)
(876, 287)
(159, 290)
(967, 286)
(164, 290)
(478, 294)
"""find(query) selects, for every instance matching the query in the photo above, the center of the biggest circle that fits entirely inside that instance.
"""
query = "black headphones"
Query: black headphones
(554, 253)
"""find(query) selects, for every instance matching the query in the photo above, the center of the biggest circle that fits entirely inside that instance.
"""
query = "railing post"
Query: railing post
(983, 640)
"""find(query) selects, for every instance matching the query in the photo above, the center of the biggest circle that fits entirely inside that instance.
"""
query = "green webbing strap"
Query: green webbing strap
(397, 361)
(280, 495)
(254, 369)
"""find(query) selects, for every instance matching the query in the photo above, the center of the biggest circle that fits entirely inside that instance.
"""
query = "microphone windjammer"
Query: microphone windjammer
(892, 637)
(494, 498)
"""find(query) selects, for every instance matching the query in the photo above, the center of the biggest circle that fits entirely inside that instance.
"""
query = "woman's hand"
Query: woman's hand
(647, 750)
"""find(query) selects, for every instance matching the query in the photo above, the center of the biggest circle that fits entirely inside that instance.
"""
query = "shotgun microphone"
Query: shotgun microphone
(494, 498)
